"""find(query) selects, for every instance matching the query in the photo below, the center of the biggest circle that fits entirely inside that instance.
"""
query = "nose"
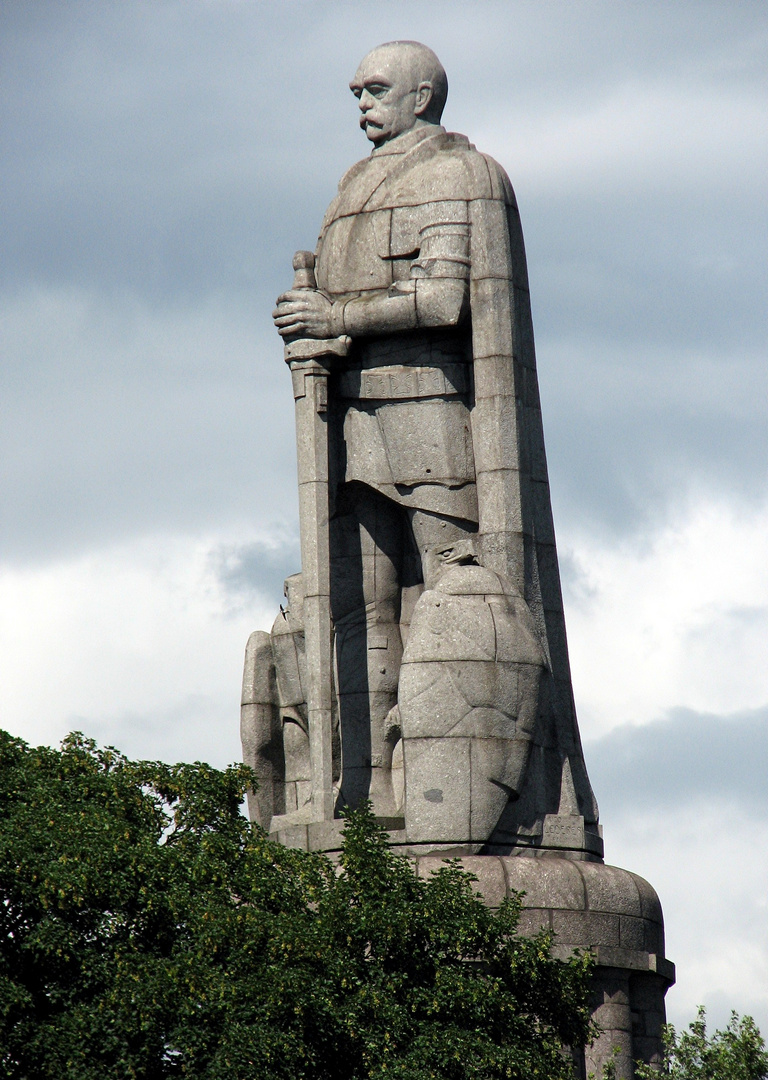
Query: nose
(365, 101)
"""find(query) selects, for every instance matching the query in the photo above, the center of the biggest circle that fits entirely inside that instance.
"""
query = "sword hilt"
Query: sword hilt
(304, 350)
(304, 270)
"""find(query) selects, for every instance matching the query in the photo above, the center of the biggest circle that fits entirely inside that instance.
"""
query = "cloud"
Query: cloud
(673, 617)
(684, 803)
(139, 644)
(636, 432)
(119, 420)
(256, 569)
(149, 152)
(686, 758)
(161, 164)
(707, 863)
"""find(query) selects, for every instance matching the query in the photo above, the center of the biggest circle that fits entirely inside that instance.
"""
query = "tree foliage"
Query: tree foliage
(147, 930)
(737, 1053)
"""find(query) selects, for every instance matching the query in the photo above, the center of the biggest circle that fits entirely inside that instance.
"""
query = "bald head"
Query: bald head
(400, 86)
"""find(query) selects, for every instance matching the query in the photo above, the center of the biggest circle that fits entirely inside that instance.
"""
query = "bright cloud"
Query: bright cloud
(140, 645)
(639, 135)
(708, 864)
(675, 618)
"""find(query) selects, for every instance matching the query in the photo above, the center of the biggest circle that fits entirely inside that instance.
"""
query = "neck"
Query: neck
(418, 125)
(405, 138)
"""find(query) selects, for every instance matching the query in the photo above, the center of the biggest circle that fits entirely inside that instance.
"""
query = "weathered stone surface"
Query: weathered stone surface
(422, 429)
(586, 905)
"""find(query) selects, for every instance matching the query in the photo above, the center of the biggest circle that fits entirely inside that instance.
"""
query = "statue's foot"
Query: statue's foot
(382, 795)
(302, 816)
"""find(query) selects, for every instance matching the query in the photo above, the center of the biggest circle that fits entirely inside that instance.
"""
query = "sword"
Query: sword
(310, 361)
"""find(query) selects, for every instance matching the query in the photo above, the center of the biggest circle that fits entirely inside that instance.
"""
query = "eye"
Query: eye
(377, 90)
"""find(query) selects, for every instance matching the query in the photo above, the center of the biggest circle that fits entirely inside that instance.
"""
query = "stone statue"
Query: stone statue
(450, 650)
(422, 662)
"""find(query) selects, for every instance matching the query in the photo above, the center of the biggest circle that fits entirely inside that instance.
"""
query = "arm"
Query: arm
(436, 293)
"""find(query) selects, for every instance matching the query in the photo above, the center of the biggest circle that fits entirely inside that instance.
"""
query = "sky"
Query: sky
(162, 162)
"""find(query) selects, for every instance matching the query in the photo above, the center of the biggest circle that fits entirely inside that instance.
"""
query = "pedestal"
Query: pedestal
(587, 905)
(613, 912)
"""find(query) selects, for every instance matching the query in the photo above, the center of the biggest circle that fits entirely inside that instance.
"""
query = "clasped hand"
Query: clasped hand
(303, 313)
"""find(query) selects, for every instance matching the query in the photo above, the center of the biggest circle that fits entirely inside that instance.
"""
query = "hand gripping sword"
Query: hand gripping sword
(310, 360)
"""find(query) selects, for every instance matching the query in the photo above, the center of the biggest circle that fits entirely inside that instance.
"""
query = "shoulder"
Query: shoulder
(501, 188)
(353, 172)
(459, 167)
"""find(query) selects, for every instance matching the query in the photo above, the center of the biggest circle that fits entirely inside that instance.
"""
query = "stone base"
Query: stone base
(586, 904)
(617, 915)
(564, 835)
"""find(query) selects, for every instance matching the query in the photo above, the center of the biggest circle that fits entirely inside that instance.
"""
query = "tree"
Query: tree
(738, 1053)
(147, 930)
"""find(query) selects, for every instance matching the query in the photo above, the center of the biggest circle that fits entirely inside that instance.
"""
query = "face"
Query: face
(390, 97)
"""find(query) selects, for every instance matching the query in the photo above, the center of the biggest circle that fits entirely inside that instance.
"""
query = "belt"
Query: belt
(396, 383)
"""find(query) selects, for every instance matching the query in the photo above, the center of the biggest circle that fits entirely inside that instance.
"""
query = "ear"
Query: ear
(424, 94)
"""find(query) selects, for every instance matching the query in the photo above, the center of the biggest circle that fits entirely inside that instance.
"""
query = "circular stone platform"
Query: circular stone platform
(612, 912)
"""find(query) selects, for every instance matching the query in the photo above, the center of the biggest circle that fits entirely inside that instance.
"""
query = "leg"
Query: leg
(368, 536)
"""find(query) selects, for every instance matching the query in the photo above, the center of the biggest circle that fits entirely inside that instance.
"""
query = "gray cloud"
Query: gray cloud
(257, 569)
(192, 729)
(157, 145)
(163, 161)
(688, 757)
(156, 437)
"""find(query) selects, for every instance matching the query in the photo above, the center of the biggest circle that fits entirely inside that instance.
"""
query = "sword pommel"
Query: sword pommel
(304, 270)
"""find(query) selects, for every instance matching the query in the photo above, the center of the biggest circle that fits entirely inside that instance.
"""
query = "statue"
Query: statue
(424, 500)
(421, 662)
